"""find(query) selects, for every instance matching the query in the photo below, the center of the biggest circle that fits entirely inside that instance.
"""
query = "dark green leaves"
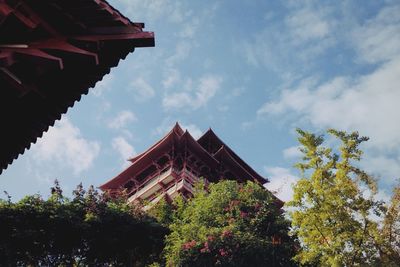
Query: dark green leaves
(90, 229)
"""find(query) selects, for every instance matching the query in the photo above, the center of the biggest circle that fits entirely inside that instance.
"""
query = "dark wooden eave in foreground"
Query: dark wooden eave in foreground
(51, 53)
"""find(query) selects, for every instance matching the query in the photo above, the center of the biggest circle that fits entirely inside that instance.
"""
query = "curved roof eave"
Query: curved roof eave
(143, 159)
(177, 129)
(225, 154)
(211, 134)
(206, 156)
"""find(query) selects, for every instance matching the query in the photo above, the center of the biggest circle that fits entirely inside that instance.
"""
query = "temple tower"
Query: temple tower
(175, 163)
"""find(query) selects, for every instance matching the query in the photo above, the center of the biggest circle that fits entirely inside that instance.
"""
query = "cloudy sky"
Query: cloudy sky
(251, 70)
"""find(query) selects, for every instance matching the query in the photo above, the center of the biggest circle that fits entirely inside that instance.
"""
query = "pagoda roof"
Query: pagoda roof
(183, 140)
(211, 137)
(224, 156)
(199, 150)
(51, 53)
(177, 130)
(145, 159)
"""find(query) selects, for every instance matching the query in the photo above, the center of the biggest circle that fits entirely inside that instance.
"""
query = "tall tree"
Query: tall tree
(229, 224)
(333, 203)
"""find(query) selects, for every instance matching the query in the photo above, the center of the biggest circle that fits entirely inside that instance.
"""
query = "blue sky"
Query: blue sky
(251, 70)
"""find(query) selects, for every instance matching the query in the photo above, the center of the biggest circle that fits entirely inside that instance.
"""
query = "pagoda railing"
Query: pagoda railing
(193, 179)
(147, 180)
(154, 180)
(172, 189)
(149, 183)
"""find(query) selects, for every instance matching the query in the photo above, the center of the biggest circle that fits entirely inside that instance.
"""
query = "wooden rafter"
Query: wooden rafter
(51, 52)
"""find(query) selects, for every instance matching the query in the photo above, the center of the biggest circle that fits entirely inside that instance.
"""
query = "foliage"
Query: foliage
(390, 251)
(229, 225)
(163, 212)
(91, 229)
(333, 204)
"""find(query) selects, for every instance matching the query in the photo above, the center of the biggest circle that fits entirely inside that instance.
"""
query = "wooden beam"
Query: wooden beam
(40, 55)
(6, 59)
(114, 30)
(37, 20)
(16, 82)
(61, 44)
(143, 39)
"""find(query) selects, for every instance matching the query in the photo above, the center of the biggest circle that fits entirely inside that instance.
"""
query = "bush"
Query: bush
(229, 225)
(90, 229)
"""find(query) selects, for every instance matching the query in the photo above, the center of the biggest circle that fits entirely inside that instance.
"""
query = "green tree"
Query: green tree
(333, 204)
(229, 224)
(91, 229)
(390, 251)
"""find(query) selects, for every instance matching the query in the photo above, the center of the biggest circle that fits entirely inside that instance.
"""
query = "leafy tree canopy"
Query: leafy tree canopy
(89, 229)
(335, 214)
(229, 224)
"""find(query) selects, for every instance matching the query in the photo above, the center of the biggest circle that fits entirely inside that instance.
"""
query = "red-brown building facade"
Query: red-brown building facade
(175, 163)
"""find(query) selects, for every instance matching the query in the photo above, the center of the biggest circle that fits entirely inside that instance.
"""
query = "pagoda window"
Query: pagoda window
(164, 160)
(147, 173)
(129, 185)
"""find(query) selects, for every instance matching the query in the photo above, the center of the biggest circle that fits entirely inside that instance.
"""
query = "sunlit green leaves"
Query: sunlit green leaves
(229, 224)
(332, 214)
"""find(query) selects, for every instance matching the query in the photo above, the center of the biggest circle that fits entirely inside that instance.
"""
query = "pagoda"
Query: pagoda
(175, 163)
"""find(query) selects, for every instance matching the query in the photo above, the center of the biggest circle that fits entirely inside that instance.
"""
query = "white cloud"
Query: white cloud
(308, 23)
(172, 11)
(143, 90)
(292, 152)
(261, 49)
(124, 149)
(302, 98)
(122, 119)
(309, 32)
(379, 39)
(385, 167)
(171, 77)
(368, 104)
(206, 89)
(103, 85)
(64, 145)
(182, 51)
(281, 182)
(189, 29)
(382, 195)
